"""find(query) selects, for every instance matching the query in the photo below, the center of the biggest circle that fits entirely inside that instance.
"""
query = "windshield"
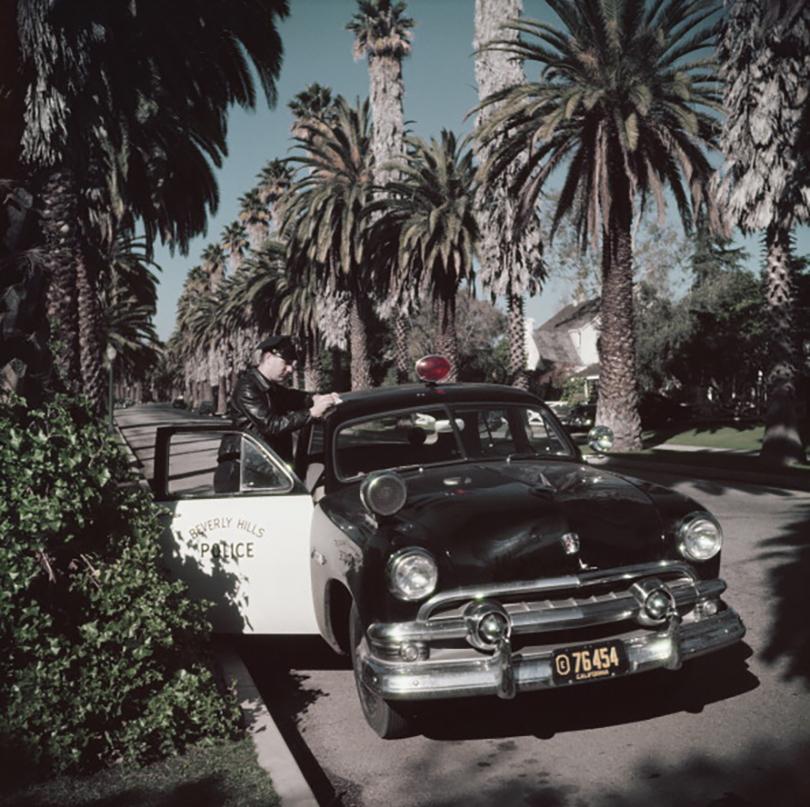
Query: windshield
(430, 436)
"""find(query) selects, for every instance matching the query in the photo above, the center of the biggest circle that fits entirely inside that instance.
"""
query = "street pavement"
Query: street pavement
(730, 730)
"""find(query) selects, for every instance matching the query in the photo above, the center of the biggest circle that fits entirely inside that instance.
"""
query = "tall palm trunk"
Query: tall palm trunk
(618, 395)
(358, 341)
(516, 324)
(447, 340)
(313, 365)
(402, 359)
(61, 232)
(89, 341)
(387, 145)
(782, 444)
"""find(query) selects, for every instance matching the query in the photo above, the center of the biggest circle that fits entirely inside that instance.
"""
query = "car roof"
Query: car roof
(385, 399)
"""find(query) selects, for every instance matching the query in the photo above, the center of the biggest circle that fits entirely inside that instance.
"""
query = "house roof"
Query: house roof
(552, 339)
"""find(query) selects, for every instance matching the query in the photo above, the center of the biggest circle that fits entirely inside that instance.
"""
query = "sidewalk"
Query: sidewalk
(698, 462)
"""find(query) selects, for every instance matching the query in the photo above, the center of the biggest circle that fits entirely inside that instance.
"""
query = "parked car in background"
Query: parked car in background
(179, 402)
(659, 411)
(450, 539)
(580, 418)
(206, 408)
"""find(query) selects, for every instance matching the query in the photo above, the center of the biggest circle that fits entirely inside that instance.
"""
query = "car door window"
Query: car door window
(543, 435)
(215, 463)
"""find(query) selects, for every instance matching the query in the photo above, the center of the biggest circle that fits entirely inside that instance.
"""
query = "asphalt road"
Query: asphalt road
(727, 731)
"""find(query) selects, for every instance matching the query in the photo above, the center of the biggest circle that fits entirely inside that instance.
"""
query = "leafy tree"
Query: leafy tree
(483, 352)
(102, 659)
(622, 102)
(765, 184)
(511, 260)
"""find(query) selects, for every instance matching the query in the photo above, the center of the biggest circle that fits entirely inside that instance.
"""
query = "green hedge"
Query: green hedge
(100, 653)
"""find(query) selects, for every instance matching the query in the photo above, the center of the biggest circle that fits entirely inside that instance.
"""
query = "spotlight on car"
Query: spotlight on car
(487, 624)
(600, 439)
(699, 537)
(412, 574)
(384, 494)
(655, 601)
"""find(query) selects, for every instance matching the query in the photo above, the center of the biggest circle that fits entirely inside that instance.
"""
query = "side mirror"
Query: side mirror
(600, 439)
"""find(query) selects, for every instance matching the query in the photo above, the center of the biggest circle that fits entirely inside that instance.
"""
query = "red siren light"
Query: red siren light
(432, 369)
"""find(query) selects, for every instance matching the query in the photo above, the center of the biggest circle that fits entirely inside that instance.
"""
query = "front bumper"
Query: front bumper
(455, 670)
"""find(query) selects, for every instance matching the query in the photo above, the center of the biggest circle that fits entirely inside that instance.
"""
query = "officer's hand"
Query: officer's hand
(323, 403)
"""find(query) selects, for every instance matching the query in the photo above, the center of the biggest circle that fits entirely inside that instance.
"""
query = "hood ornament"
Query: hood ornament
(570, 543)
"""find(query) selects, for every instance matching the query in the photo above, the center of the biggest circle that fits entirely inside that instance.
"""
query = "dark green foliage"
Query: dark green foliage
(101, 656)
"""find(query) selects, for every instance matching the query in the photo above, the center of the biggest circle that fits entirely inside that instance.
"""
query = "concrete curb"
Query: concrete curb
(272, 752)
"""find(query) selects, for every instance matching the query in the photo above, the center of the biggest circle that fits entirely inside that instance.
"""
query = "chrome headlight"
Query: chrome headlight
(412, 574)
(699, 536)
(384, 493)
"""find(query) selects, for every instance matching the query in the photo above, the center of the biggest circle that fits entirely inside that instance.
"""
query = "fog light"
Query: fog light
(487, 624)
(413, 651)
(707, 608)
(655, 601)
(657, 605)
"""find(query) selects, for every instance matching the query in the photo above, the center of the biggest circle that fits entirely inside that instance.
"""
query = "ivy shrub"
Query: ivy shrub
(101, 655)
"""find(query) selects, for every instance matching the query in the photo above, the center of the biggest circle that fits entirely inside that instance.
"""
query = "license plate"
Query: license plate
(589, 662)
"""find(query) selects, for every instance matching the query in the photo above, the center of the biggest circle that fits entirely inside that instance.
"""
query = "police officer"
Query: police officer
(262, 404)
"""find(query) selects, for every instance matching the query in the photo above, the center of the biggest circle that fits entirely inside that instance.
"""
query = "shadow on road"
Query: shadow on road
(273, 662)
(628, 700)
(788, 557)
(760, 775)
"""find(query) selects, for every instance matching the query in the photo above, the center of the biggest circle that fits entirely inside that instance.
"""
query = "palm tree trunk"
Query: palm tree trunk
(517, 341)
(782, 444)
(401, 354)
(358, 341)
(313, 365)
(61, 232)
(89, 342)
(448, 338)
(618, 395)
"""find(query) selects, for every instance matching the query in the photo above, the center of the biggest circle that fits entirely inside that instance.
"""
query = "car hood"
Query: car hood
(502, 521)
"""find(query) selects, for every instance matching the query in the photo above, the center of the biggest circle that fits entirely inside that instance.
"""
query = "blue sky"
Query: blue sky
(439, 92)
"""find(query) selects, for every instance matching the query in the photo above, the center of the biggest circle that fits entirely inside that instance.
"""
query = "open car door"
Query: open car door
(237, 528)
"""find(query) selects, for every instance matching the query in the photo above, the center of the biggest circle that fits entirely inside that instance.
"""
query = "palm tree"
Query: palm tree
(511, 262)
(313, 105)
(765, 184)
(431, 209)
(135, 96)
(213, 259)
(622, 100)
(274, 184)
(255, 217)
(324, 221)
(382, 35)
(235, 243)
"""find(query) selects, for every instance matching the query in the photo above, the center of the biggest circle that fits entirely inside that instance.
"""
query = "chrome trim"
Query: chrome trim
(546, 584)
(482, 674)
(543, 617)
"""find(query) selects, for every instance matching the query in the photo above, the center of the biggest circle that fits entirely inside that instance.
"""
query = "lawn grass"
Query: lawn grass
(746, 437)
(226, 775)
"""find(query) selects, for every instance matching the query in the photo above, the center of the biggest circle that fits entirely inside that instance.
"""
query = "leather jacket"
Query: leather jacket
(269, 410)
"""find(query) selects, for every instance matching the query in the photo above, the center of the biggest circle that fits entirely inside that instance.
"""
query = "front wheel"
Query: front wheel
(386, 719)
